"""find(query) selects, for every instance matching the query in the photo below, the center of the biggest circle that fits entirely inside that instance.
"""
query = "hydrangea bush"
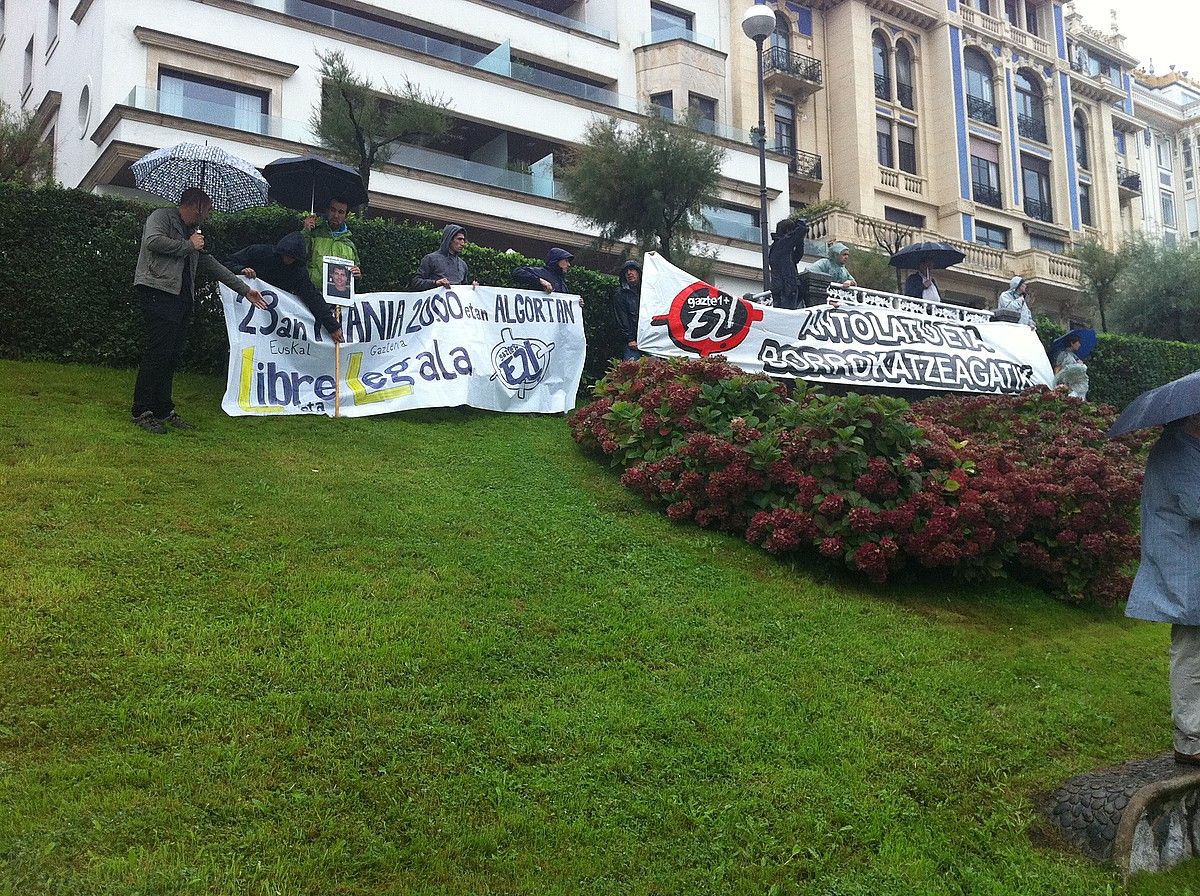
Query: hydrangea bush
(975, 486)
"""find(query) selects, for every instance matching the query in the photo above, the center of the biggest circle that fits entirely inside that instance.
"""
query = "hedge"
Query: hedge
(1122, 367)
(67, 259)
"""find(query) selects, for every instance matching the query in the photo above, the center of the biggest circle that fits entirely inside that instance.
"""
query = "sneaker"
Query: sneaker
(177, 421)
(147, 421)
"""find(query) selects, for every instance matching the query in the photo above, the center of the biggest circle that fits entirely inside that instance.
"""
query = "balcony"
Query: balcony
(1129, 183)
(1032, 128)
(806, 165)
(986, 194)
(553, 14)
(902, 181)
(980, 109)
(662, 35)
(218, 114)
(793, 73)
(1039, 210)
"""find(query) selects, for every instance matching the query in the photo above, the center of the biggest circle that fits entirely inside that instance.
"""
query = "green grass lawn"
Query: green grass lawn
(445, 653)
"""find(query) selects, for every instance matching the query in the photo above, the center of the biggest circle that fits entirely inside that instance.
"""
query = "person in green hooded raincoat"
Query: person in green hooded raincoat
(835, 265)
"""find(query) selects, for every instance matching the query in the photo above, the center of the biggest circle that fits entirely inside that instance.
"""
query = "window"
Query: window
(981, 102)
(785, 127)
(1035, 179)
(879, 57)
(1168, 209)
(985, 173)
(51, 24)
(1079, 127)
(703, 110)
(1031, 18)
(906, 140)
(1189, 212)
(1085, 204)
(1185, 149)
(27, 77)
(1164, 152)
(1031, 113)
(904, 75)
(883, 142)
(990, 235)
(1010, 12)
(985, 6)
(212, 101)
(1046, 244)
(900, 216)
(668, 22)
(781, 37)
(664, 103)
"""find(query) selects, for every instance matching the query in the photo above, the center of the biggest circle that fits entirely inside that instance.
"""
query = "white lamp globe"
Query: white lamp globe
(758, 22)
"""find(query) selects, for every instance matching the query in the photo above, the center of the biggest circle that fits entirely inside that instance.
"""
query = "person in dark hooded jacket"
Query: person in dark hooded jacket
(627, 299)
(787, 249)
(552, 277)
(283, 265)
(446, 266)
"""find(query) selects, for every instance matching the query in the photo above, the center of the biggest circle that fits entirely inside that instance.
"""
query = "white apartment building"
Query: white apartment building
(112, 79)
(1169, 106)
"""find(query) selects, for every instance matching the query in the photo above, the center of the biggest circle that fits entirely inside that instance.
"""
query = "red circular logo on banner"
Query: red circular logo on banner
(707, 321)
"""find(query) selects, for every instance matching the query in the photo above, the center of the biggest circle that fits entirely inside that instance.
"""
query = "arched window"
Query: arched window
(981, 101)
(781, 37)
(1031, 111)
(904, 75)
(1079, 127)
(879, 55)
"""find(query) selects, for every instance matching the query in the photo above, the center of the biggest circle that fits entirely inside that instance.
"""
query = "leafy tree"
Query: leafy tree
(871, 270)
(650, 183)
(25, 157)
(1100, 274)
(1159, 291)
(363, 126)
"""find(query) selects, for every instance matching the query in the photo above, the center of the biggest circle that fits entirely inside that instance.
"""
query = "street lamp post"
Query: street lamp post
(759, 23)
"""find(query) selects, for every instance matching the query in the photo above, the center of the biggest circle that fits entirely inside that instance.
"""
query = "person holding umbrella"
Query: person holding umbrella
(923, 259)
(171, 255)
(329, 236)
(1068, 352)
(1167, 585)
(921, 285)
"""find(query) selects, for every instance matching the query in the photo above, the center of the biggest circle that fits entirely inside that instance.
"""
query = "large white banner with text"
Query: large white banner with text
(498, 349)
(896, 343)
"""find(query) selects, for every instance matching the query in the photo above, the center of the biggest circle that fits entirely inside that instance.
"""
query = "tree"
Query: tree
(24, 156)
(363, 126)
(1100, 273)
(1159, 291)
(650, 183)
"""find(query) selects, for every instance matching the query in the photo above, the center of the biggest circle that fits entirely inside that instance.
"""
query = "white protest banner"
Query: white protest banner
(867, 339)
(497, 349)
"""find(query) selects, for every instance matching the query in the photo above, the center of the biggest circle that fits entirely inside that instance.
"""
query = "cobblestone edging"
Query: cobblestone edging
(1143, 814)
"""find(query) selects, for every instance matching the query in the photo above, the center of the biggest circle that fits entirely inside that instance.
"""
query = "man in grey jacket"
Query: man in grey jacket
(165, 280)
(446, 266)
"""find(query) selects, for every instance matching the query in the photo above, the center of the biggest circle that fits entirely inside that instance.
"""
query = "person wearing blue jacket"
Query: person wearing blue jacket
(552, 277)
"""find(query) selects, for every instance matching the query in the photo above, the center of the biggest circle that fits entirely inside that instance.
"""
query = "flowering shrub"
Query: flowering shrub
(979, 486)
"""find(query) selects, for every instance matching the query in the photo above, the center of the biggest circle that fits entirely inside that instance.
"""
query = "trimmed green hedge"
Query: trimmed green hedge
(67, 260)
(1122, 367)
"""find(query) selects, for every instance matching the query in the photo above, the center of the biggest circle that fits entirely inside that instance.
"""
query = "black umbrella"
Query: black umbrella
(939, 255)
(232, 183)
(306, 183)
(1177, 399)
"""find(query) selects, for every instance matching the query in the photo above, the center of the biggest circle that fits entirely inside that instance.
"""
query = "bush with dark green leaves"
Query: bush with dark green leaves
(66, 272)
(1122, 367)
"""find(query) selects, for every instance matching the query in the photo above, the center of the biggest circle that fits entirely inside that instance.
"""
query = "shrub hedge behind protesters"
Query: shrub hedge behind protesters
(81, 307)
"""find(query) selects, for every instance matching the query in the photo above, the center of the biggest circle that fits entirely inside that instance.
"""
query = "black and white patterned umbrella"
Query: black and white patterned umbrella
(232, 183)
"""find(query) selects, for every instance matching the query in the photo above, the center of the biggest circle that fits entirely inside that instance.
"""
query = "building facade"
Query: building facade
(1008, 127)
(1169, 106)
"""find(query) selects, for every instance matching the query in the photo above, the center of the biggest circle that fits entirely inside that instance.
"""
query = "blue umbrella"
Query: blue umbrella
(1087, 342)
(1177, 399)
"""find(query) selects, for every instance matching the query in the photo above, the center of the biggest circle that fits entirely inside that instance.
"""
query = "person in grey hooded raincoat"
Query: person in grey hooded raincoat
(1167, 585)
(1013, 299)
(445, 266)
(835, 265)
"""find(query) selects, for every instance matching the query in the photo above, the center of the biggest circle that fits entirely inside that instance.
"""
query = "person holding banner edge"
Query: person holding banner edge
(171, 254)
(283, 265)
(552, 277)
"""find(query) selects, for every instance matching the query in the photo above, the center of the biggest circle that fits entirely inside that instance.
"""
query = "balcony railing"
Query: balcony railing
(1128, 180)
(981, 110)
(904, 93)
(986, 194)
(777, 59)
(553, 18)
(677, 32)
(883, 87)
(217, 113)
(1032, 128)
(806, 165)
(1039, 210)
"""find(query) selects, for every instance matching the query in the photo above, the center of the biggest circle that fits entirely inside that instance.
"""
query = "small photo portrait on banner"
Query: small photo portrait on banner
(339, 284)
